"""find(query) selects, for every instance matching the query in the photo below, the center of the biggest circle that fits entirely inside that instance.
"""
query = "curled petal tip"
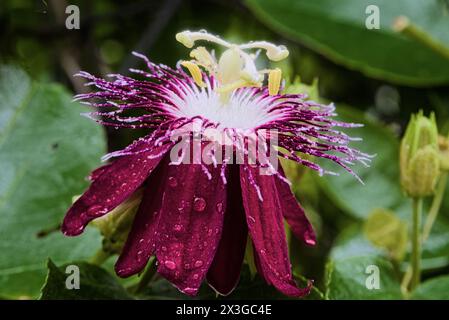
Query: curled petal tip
(71, 231)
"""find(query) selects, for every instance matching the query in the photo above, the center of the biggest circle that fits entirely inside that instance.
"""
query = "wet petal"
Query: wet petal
(224, 273)
(266, 227)
(294, 213)
(111, 188)
(99, 171)
(191, 224)
(142, 238)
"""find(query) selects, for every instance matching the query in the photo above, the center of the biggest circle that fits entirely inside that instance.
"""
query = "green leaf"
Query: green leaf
(337, 30)
(434, 289)
(352, 242)
(94, 283)
(349, 268)
(381, 189)
(46, 151)
(346, 279)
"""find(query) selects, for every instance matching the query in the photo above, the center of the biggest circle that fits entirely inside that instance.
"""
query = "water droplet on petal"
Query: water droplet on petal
(170, 265)
(219, 207)
(199, 204)
(139, 255)
(198, 263)
(96, 210)
(172, 182)
(177, 227)
(163, 248)
(195, 276)
(189, 290)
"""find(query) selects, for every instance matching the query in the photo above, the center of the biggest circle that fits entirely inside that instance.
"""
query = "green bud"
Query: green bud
(419, 156)
(115, 226)
(443, 143)
(385, 230)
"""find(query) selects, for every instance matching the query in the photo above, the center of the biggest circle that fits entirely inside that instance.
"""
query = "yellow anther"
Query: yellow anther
(274, 81)
(195, 72)
(203, 56)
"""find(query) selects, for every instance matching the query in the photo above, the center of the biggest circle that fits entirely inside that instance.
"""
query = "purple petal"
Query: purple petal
(224, 272)
(111, 188)
(294, 213)
(142, 238)
(191, 224)
(99, 171)
(266, 227)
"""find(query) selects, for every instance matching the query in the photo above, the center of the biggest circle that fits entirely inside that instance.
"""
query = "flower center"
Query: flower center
(242, 110)
(236, 68)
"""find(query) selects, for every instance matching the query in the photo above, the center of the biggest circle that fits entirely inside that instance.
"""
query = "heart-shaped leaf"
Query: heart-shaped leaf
(81, 281)
(46, 151)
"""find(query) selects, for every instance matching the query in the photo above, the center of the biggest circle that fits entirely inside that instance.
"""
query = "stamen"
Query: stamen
(195, 71)
(204, 58)
(274, 81)
(235, 68)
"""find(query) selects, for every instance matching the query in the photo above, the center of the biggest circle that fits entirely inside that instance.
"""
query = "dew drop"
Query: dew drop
(198, 263)
(163, 248)
(195, 276)
(199, 204)
(95, 210)
(139, 255)
(172, 182)
(219, 207)
(189, 290)
(177, 227)
(170, 265)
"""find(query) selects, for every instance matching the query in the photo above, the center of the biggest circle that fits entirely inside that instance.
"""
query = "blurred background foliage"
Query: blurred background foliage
(375, 77)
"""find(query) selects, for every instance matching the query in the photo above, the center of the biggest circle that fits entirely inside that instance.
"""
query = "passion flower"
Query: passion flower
(195, 215)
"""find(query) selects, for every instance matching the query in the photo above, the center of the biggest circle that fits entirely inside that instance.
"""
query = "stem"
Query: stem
(435, 208)
(403, 25)
(100, 257)
(430, 220)
(416, 243)
(147, 277)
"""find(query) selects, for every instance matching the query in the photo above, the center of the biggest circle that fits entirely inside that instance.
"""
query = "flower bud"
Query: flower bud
(419, 156)
(443, 143)
(385, 230)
